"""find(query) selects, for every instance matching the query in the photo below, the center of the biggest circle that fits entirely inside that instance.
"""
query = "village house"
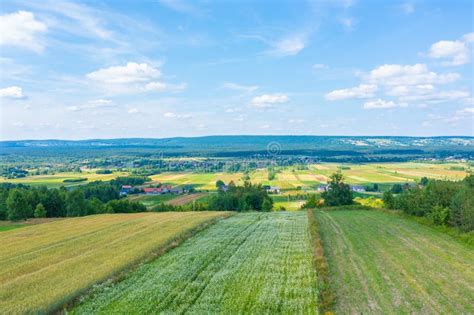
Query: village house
(272, 189)
(322, 188)
(358, 188)
(125, 190)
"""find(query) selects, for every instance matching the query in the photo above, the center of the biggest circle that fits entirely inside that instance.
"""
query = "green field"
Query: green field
(384, 264)
(57, 180)
(288, 178)
(249, 263)
(46, 265)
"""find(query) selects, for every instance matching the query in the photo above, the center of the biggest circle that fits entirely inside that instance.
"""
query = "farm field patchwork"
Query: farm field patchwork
(249, 263)
(46, 265)
(381, 263)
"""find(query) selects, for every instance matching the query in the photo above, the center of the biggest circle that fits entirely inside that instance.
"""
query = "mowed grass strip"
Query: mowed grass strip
(44, 266)
(257, 263)
(384, 264)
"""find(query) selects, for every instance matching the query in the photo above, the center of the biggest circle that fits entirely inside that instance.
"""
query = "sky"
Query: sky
(165, 68)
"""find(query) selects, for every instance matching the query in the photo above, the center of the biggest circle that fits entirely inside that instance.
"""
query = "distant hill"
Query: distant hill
(249, 145)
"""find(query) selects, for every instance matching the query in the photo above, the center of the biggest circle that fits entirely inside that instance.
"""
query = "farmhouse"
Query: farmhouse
(358, 188)
(125, 190)
(322, 188)
(272, 189)
(153, 191)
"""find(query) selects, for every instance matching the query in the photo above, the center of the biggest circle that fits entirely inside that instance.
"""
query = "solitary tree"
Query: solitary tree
(40, 211)
(338, 193)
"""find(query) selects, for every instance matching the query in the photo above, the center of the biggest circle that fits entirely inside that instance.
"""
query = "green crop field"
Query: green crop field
(46, 265)
(249, 263)
(58, 179)
(384, 264)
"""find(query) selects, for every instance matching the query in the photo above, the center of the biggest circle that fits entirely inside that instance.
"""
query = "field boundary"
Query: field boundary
(458, 235)
(326, 297)
(64, 306)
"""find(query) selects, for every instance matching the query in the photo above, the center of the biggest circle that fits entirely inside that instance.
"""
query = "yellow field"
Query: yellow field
(44, 266)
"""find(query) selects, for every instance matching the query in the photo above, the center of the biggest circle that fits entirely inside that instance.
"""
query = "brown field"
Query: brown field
(46, 265)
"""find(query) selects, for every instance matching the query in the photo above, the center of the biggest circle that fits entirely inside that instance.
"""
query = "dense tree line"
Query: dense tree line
(241, 198)
(19, 202)
(443, 202)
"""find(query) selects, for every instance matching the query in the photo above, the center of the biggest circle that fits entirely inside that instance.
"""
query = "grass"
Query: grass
(63, 179)
(44, 266)
(380, 263)
(9, 227)
(249, 263)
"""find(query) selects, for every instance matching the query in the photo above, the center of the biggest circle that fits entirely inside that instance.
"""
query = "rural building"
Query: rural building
(358, 188)
(153, 191)
(272, 189)
(322, 188)
(125, 190)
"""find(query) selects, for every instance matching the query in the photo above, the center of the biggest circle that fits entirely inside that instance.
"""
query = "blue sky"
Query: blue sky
(108, 69)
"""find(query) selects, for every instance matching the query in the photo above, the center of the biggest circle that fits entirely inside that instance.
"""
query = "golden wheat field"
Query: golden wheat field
(42, 267)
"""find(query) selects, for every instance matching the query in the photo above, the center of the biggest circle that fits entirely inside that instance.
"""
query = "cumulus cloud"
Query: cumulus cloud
(132, 72)
(394, 74)
(132, 77)
(268, 100)
(455, 53)
(133, 111)
(240, 87)
(379, 104)
(358, 92)
(22, 29)
(12, 92)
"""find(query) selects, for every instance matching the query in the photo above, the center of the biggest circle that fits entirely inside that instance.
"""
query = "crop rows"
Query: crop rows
(44, 266)
(380, 263)
(249, 263)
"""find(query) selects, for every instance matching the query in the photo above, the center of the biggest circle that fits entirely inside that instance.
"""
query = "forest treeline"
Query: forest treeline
(20, 202)
(444, 202)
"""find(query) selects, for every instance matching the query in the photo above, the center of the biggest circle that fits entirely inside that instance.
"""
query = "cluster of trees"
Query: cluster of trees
(338, 192)
(443, 202)
(241, 198)
(20, 202)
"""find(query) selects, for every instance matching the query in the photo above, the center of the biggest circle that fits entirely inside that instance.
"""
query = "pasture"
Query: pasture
(46, 265)
(383, 264)
(249, 263)
(57, 180)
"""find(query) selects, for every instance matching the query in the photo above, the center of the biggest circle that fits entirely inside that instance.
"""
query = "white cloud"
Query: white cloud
(457, 52)
(73, 108)
(12, 92)
(132, 72)
(21, 29)
(436, 96)
(177, 116)
(133, 111)
(379, 104)
(133, 77)
(239, 87)
(320, 66)
(361, 91)
(163, 87)
(267, 100)
(394, 74)
(288, 46)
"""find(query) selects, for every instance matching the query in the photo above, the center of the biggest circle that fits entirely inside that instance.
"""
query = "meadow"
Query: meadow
(44, 266)
(58, 179)
(249, 263)
(383, 264)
